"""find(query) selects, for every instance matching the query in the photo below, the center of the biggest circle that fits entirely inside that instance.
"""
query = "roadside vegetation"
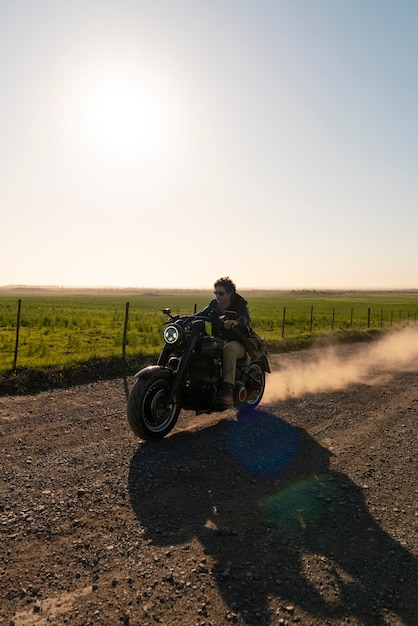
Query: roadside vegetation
(64, 337)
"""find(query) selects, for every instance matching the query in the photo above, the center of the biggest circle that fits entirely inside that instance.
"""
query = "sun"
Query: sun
(122, 120)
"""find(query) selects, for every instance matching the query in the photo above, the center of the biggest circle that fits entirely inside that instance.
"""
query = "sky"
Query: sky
(169, 143)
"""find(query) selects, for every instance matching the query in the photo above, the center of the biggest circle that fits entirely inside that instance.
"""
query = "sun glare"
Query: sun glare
(122, 120)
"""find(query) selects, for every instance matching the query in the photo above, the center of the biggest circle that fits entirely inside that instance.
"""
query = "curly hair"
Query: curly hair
(226, 283)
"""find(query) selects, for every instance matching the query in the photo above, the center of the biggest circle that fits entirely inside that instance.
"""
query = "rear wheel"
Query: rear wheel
(255, 382)
(149, 415)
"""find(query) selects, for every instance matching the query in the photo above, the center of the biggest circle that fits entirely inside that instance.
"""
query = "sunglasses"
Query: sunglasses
(219, 293)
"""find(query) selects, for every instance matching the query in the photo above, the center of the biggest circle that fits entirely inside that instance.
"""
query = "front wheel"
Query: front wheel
(255, 383)
(149, 415)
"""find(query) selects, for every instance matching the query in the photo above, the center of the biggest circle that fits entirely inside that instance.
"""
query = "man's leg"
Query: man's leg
(232, 351)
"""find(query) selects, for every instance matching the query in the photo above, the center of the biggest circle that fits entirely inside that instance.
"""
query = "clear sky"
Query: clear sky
(167, 143)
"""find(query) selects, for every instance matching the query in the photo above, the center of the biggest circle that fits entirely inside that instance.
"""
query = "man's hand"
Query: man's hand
(228, 324)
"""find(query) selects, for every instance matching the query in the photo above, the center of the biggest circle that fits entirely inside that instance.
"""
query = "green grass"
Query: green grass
(65, 330)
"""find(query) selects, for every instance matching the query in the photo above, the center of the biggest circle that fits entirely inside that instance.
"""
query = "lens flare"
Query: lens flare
(262, 443)
(308, 513)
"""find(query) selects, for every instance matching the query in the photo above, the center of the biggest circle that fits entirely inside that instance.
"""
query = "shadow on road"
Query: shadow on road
(260, 497)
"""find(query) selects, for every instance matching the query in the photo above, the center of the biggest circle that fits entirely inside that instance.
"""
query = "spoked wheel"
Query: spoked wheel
(149, 415)
(255, 382)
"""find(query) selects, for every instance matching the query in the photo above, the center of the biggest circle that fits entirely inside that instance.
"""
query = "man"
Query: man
(227, 299)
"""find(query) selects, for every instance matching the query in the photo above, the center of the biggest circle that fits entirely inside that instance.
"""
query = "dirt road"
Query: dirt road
(304, 512)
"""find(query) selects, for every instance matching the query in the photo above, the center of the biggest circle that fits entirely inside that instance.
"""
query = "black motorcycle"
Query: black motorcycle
(188, 375)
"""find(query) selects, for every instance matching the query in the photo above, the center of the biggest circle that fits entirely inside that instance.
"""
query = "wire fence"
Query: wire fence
(65, 336)
(331, 319)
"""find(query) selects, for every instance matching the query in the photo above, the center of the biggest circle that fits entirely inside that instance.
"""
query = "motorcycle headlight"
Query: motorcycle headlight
(173, 335)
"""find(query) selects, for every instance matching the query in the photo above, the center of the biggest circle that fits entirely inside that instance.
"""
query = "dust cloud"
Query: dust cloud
(329, 371)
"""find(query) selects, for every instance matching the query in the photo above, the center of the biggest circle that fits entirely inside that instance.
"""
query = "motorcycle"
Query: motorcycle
(188, 375)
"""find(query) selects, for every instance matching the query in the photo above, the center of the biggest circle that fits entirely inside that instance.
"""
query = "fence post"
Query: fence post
(311, 320)
(17, 333)
(125, 331)
(368, 317)
(283, 321)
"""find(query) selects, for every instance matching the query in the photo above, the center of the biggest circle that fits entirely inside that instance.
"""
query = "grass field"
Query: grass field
(61, 329)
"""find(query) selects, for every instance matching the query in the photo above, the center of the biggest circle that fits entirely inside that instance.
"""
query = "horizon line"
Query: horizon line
(28, 287)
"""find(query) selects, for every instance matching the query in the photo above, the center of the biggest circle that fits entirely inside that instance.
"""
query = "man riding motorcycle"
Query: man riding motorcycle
(200, 372)
(227, 299)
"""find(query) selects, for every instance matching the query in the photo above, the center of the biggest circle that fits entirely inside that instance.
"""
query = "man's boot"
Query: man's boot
(225, 399)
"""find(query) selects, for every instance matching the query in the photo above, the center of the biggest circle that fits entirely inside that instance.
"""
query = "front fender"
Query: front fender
(149, 372)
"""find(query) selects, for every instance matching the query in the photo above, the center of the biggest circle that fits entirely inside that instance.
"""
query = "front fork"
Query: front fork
(181, 368)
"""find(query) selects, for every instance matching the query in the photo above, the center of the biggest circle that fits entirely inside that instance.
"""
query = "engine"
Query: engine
(206, 366)
(206, 370)
(201, 383)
